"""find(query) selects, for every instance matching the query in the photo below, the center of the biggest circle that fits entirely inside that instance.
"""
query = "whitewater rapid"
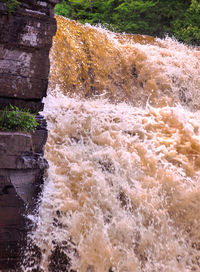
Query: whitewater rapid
(122, 192)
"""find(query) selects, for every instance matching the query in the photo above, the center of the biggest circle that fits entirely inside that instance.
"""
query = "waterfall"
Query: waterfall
(122, 192)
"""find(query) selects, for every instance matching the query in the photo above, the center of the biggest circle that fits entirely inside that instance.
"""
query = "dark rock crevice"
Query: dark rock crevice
(35, 105)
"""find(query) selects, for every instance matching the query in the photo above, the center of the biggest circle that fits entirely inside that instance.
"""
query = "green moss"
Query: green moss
(14, 119)
(11, 5)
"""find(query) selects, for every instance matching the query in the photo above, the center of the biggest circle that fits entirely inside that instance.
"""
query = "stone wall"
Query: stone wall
(21, 175)
(25, 41)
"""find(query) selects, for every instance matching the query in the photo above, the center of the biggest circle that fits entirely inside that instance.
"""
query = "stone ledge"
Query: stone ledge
(20, 150)
(24, 30)
(16, 62)
(25, 41)
(22, 87)
(14, 143)
(34, 105)
(36, 8)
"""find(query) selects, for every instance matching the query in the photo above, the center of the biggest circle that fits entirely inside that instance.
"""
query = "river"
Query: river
(122, 192)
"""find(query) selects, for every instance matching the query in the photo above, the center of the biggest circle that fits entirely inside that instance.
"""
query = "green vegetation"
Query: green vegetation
(180, 18)
(11, 5)
(188, 29)
(14, 119)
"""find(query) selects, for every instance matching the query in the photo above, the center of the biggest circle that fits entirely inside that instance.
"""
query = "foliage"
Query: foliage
(180, 18)
(11, 5)
(14, 119)
(129, 16)
(189, 29)
(62, 9)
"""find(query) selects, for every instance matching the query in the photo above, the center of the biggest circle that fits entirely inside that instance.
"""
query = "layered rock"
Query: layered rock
(21, 175)
(25, 41)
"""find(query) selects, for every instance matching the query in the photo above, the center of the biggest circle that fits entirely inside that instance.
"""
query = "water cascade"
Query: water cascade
(122, 192)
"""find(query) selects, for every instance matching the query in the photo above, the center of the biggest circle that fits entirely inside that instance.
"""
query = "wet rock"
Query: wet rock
(25, 41)
(33, 161)
(107, 166)
(59, 260)
(21, 176)
(11, 224)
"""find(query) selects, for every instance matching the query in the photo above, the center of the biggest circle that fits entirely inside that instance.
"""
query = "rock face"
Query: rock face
(21, 176)
(25, 41)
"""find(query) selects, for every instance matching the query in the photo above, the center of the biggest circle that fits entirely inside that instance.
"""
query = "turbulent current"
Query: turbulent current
(122, 192)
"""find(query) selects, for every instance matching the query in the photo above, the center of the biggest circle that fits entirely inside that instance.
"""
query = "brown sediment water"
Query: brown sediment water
(122, 192)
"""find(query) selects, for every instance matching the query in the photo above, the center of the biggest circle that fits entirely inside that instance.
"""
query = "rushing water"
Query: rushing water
(122, 192)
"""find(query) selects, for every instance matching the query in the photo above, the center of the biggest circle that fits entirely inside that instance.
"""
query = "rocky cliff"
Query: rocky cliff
(25, 41)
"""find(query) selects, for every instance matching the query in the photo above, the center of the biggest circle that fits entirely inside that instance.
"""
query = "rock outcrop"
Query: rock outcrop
(21, 175)
(25, 41)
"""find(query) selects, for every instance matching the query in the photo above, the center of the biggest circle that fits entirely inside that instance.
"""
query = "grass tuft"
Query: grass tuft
(14, 119)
